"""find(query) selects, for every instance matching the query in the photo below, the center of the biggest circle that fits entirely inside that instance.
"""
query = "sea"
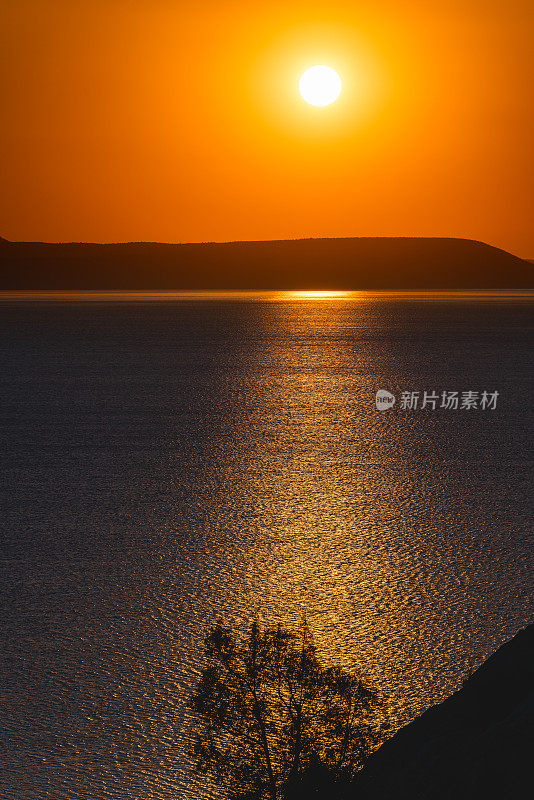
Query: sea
(171, 460)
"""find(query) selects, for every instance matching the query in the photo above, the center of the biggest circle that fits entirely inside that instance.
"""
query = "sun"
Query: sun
(320, 85)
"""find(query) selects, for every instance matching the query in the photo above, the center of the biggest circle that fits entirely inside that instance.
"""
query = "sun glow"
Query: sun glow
(312, 295)
(320, 85)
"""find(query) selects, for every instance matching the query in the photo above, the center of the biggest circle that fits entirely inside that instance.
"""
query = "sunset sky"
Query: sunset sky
(182, 121)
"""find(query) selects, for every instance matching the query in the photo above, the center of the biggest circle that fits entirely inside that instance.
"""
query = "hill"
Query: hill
(476, 745)
(357, 263)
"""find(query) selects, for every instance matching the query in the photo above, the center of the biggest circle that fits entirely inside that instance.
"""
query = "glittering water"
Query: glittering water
(169, 461)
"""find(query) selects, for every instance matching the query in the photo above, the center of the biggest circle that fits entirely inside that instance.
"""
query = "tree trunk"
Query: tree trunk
(295, 769)
(265, 743)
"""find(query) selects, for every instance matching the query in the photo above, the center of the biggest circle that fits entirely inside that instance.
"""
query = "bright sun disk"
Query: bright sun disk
(320, 85)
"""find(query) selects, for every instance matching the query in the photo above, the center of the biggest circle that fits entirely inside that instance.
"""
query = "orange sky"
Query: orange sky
(171, 121)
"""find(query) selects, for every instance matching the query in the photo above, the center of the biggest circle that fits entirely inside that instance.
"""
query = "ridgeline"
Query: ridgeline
(401, 264)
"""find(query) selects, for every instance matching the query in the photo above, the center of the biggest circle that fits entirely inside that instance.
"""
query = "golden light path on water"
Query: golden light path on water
(321, 508)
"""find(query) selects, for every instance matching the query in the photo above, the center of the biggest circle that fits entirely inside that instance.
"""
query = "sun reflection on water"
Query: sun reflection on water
(318, 295)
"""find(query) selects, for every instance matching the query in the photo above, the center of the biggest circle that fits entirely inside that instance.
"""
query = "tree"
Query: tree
(269, 715)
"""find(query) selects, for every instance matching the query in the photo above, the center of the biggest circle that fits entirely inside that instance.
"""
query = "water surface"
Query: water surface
(169, 460)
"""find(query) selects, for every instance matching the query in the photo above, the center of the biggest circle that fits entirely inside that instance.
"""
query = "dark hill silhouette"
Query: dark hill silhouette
(357, 263)
(477, 744)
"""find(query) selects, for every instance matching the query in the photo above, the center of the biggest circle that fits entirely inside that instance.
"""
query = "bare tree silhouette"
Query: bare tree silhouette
(270, 716)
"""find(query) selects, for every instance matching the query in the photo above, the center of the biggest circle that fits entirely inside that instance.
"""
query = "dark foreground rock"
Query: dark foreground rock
(479, 743)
